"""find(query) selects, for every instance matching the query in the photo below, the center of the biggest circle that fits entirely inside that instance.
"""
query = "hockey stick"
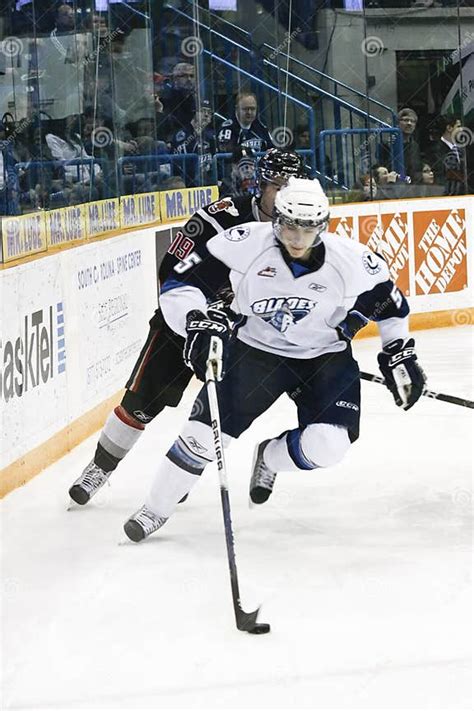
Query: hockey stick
(245, 621)
(427, 393)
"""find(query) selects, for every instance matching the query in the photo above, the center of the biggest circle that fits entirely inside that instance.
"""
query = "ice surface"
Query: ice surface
(363, 570)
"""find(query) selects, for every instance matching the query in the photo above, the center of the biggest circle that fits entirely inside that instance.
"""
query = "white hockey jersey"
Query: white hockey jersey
(291, 311)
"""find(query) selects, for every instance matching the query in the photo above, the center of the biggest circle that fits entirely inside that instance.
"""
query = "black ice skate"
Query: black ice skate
(261, 483)
(142, 524)
(88, 484)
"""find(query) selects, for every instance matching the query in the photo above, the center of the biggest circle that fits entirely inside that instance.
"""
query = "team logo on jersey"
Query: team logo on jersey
(317, 287)
(237, 234)
(281, 313)
(225, 205)
(180, 136)
(267, 272)
(371, 263)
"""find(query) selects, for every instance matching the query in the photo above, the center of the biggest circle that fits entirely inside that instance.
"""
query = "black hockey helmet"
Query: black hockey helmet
(277, 163)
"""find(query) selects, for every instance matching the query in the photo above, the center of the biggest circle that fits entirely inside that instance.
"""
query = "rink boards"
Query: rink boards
(73, 321)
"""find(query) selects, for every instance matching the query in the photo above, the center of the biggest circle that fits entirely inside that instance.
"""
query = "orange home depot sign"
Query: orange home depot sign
(388, 235)
(440, 251)
(342, 226)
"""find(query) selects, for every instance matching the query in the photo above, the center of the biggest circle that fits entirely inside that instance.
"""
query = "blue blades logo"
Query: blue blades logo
(283, 312)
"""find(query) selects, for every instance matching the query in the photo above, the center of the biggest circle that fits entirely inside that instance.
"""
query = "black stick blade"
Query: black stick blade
(247, 622)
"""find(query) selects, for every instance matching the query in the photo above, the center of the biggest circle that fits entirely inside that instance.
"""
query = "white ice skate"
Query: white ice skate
(88, 484)
(263, 479)
(142, 524)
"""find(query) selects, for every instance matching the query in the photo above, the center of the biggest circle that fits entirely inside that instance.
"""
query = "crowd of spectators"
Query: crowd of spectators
(168, 138)
(438, 168)
(169, 135)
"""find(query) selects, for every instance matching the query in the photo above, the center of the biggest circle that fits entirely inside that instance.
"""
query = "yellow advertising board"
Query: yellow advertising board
(65, 225)
(181, 204)
(139, 209)
(23, 235)
(102, 216)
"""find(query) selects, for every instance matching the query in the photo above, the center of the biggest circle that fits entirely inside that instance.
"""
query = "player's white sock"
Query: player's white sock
(120, 433)
(181, 468)
(319, 445)
(171, 483)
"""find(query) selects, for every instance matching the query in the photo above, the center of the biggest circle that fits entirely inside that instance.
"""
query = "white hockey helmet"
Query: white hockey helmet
(301, 202)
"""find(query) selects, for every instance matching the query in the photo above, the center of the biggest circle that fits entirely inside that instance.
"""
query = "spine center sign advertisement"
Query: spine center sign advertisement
(70, 336)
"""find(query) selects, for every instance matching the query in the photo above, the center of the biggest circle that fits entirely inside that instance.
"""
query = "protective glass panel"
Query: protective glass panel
(101, 98)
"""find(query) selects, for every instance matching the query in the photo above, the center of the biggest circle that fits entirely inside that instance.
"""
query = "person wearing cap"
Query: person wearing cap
(197, 137)
(178, 98)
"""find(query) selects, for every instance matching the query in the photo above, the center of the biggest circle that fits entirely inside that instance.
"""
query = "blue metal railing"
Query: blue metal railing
(337, 85)
(29, 174)
(150, 172)
(241, 58)
(272, 89)
(354, 158)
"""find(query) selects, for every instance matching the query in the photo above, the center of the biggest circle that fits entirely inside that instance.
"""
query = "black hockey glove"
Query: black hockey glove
(403, 376)
(351, 325)
(200, 329)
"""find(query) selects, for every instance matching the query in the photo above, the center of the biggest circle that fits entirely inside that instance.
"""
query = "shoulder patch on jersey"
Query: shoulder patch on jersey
(371, 263)
(180, 136)
(226, 204)
(237, 234)
(227, 122)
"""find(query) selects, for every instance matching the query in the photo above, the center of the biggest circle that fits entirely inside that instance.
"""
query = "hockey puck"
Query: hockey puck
(261, 628)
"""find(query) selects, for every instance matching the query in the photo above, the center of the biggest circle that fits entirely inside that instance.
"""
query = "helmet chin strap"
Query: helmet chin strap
(259, 203)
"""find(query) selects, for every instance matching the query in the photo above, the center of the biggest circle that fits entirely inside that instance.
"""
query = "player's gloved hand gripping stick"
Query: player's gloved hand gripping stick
(200, 330)
(404, 377)
(245, 621)
(397, 354)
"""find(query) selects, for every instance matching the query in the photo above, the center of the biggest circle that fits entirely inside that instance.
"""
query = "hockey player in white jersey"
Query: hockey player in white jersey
(298, 290)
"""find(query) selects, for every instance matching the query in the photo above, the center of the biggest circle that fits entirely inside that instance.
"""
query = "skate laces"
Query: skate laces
(263, 476)
(148, 520)
(93, 477)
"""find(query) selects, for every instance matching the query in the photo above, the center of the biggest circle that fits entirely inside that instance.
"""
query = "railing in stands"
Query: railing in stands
(355, 159)
(58, 188)
(358, 112)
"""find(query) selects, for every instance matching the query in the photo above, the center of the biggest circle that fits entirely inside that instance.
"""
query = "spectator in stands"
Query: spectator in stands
(383, 176)
(302, 137)
(99, 97)
(365, 188)
(9, 203)
(178, 99)
(65, 21)
(407, 119)
(198, 138)
(13, 178)
(68, 147)
(245, 129)
(96, 22)
(44, 177)
(244, 172)
(448, 158)
(427, 174)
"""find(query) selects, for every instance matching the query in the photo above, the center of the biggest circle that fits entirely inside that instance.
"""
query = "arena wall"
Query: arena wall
(75, 308)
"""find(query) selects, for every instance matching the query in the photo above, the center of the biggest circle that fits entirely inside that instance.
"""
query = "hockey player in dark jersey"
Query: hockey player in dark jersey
(160, 377)
(294, 283)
